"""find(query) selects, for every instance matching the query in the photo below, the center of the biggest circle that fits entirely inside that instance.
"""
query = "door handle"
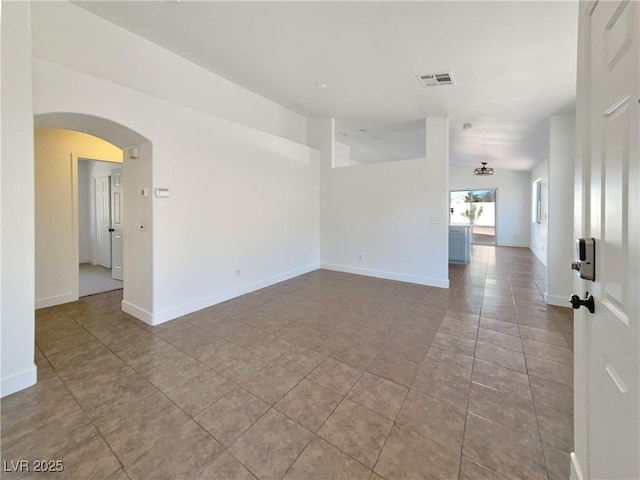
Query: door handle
(112, 229)
(577, 302)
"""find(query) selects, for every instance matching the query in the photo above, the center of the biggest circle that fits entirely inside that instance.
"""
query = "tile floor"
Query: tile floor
(96, 279)
(326, 376)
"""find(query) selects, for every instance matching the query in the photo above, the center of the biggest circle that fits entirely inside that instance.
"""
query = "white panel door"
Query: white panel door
(611, 205)
(117, 244)
(103, 221)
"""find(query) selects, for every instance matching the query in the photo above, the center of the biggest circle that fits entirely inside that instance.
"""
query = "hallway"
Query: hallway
(96, 279)
(327, 375)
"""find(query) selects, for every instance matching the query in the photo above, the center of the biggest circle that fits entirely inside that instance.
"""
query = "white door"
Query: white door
(103, 221)
(117, 245)
(607, 348)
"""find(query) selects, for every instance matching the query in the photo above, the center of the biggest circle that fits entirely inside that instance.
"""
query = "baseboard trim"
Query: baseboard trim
(509, 244)
(86, 260)
(18, 381)
(539, 256)
(171, 313)
(401, 277)
(138, 312)
(55, 300)
(457, 262)
(576, 471)
(557, 300)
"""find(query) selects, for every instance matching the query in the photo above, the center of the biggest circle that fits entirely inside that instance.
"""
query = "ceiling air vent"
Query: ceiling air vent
(435, 79)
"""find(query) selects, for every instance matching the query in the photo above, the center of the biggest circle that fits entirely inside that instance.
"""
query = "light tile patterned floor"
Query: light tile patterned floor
(96, 279)
(326, 376)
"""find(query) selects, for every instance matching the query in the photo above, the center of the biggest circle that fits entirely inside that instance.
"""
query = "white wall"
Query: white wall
(394, 214)
(101, 169)
(17, 368)
(540, 231)
(139, 246)
(320, 133)
(560, 236)
(552, 239)
(85, 204)
(57, 247)
(342, 155)
(512, 200)
(240, 198)
(175, 79)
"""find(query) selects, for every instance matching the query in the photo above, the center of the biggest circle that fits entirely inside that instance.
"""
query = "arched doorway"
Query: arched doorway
(137, 244)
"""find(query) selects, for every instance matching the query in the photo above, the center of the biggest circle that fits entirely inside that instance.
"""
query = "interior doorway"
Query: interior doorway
(476, 209)
(100, 242)
(61, 138)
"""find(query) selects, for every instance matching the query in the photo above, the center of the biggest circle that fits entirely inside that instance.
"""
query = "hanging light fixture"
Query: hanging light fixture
(483, 171)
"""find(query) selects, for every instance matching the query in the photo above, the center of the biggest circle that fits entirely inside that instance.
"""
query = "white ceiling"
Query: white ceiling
(514, 63)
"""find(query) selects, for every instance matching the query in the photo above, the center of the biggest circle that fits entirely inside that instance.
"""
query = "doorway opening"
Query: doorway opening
(61, 139)
(100, 241)
(475, 209)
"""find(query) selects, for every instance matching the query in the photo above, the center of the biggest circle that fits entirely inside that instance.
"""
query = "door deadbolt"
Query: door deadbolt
(586, 264)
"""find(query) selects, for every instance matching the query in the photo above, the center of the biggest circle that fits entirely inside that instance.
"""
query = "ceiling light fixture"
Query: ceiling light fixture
(483, 171)
(362, 130)
(321, 85)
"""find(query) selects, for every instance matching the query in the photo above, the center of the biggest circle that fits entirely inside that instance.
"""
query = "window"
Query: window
(536, 201)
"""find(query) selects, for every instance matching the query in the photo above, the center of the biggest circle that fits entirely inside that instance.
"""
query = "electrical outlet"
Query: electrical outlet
(237, 272)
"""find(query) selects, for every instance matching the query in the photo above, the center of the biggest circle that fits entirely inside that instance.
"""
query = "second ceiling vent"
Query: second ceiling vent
(435, 79)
